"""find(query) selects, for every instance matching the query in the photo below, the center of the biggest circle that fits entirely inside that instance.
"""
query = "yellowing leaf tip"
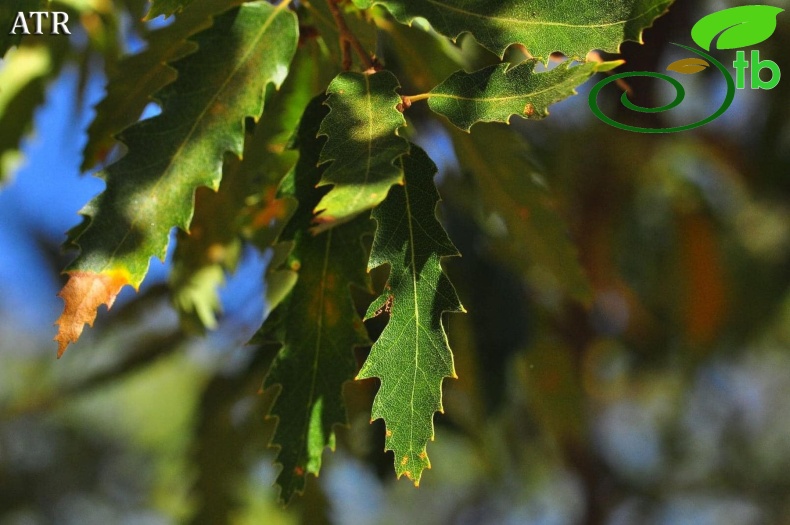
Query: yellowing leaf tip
(83, 294)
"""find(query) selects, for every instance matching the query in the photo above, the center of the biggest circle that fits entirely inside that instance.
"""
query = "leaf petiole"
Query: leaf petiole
(408, 100)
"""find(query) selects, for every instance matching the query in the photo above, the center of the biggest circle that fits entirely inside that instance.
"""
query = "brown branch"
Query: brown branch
(348, 40)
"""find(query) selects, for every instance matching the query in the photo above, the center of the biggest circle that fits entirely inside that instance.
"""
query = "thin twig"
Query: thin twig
(348, 40)
(345, 49)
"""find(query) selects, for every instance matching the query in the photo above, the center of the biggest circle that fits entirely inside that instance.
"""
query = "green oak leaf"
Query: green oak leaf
(151, 189)
(495, 93)
(362, 145)
(134, 81)
(571, 27)
(741, 26)
(316, 323)
(412, 356)
(245, 207)
(535, 240)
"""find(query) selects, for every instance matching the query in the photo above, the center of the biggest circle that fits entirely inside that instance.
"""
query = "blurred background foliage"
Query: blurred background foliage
(653, 387)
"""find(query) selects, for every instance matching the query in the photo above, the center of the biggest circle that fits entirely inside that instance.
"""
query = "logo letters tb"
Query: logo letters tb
(757, 65)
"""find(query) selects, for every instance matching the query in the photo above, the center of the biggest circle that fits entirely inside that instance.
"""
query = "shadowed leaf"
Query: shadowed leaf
(316, 323)
(245, 207)
(138, 77)
(151, 189)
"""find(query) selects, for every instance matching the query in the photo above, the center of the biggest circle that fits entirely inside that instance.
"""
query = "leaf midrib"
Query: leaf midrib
(369, 159)
(416, 317)
(565, 83)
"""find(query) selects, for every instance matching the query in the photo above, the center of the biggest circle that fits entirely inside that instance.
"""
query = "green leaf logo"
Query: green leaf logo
(738, 26)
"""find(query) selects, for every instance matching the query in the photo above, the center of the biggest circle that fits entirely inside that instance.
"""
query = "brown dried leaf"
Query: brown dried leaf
(83, 294)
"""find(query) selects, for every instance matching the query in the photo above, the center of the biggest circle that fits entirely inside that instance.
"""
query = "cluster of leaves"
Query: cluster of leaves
(303, 144)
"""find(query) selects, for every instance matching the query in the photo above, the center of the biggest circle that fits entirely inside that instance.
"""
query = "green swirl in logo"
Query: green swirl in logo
(681, 94)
